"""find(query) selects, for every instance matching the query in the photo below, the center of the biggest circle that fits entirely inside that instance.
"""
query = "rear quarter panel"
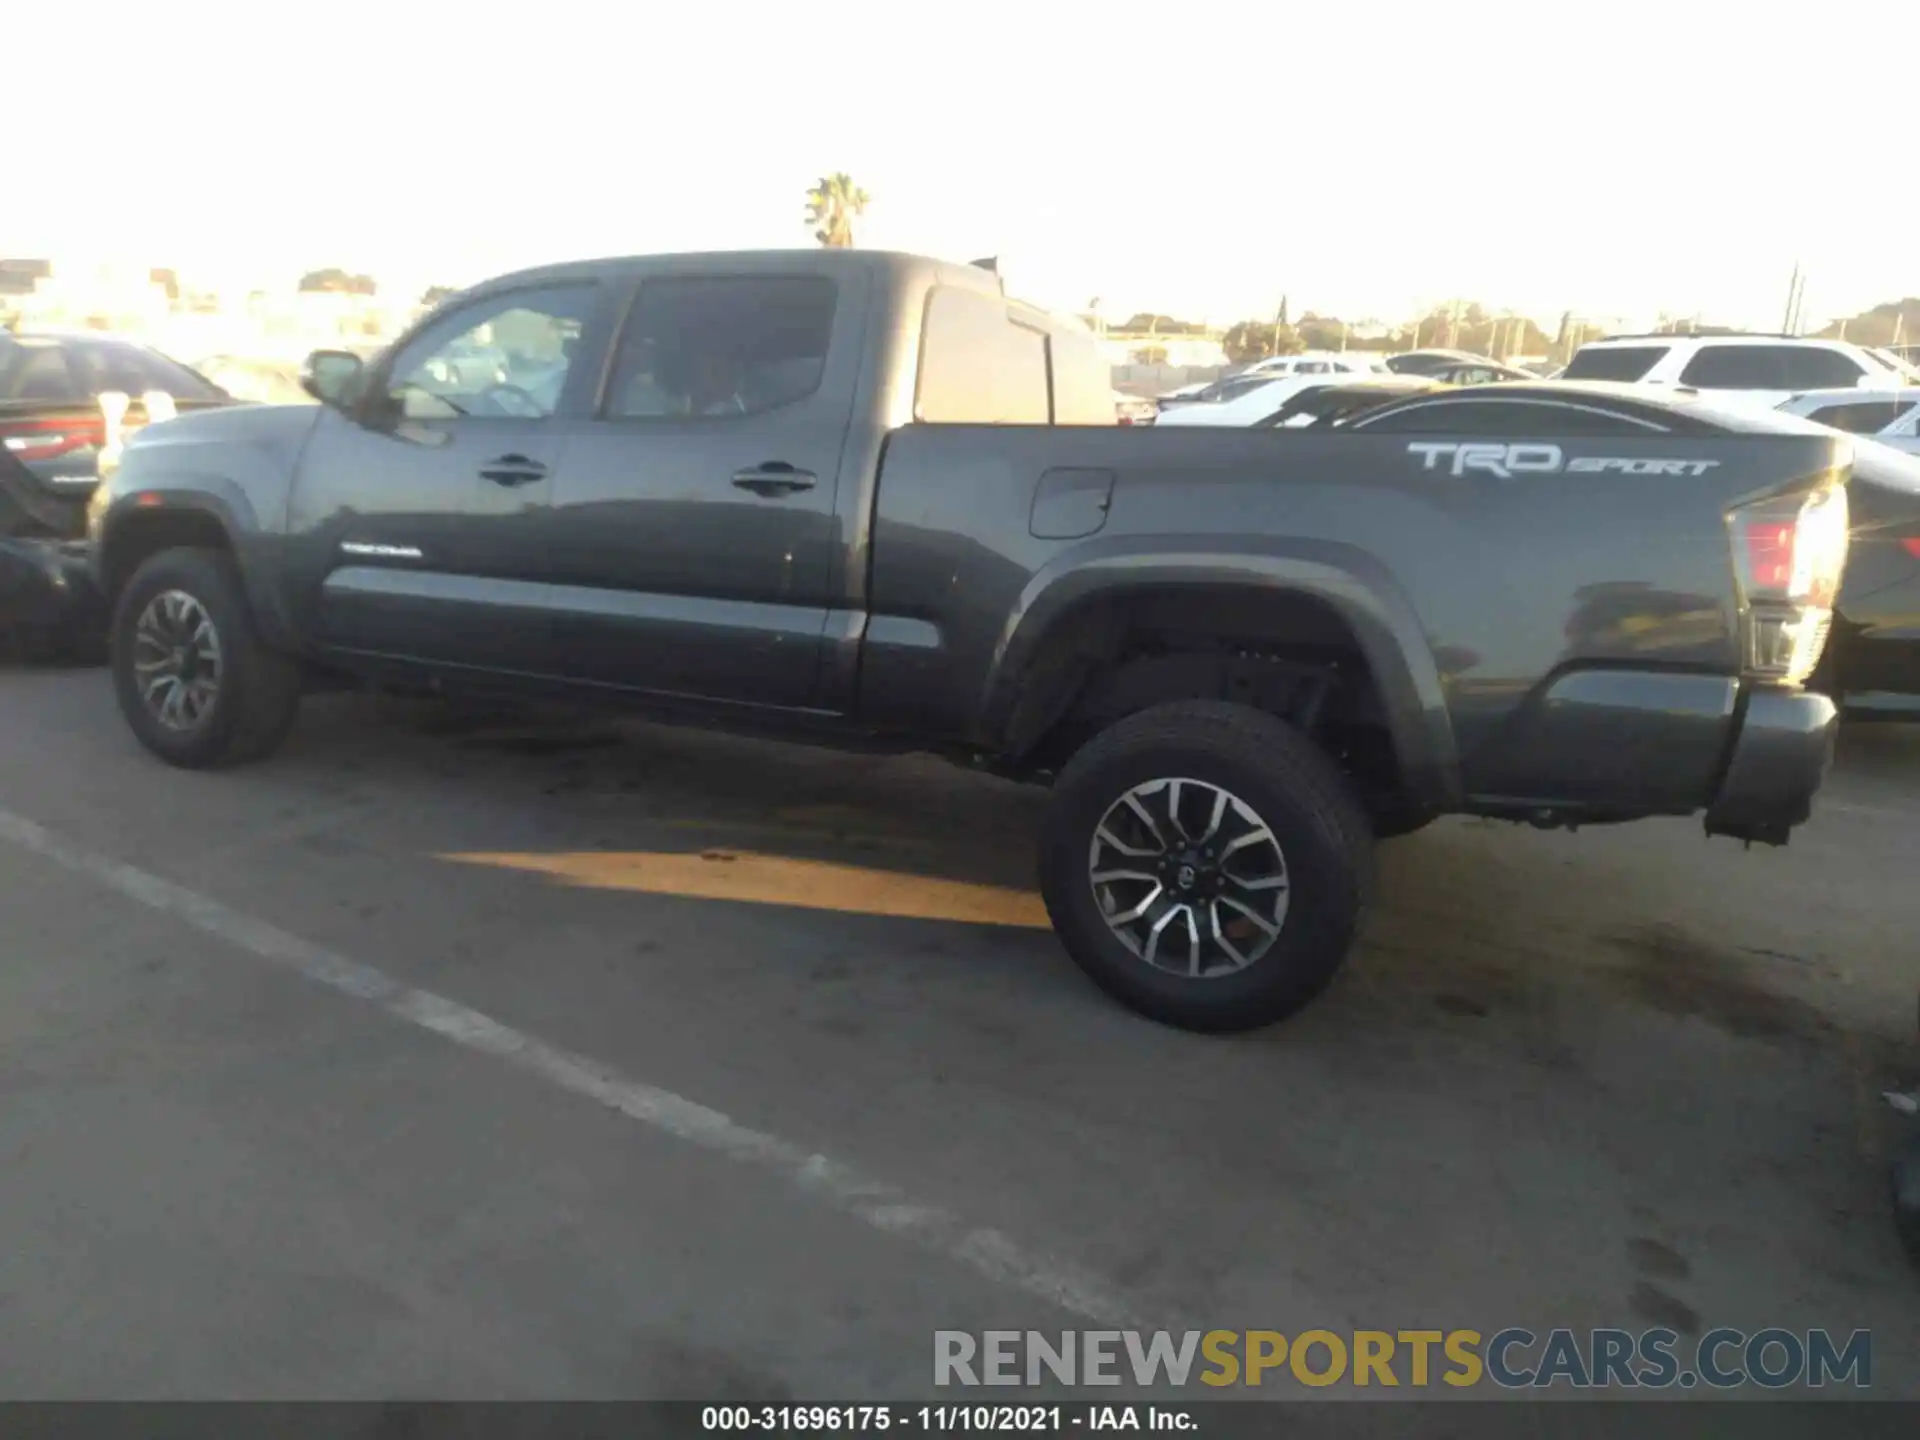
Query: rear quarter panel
(1471, 593)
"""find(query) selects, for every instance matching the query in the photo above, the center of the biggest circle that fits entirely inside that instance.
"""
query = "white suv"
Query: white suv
(1749, 369)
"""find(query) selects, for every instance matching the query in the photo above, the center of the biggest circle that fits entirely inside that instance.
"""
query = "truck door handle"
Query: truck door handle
(776, 477)
(513, 470)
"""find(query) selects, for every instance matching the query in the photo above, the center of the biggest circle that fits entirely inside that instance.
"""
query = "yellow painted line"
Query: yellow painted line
(748, 878)
(834, 835)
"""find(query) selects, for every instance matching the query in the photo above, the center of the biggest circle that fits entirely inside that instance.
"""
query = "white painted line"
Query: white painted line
(1878, 812)
(876, 1202)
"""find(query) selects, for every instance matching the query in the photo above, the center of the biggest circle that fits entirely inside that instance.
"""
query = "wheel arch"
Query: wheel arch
(206, 512)
(1068, 617)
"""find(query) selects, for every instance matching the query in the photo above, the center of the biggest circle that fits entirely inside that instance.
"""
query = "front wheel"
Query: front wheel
(194, 680)
(1206, 865)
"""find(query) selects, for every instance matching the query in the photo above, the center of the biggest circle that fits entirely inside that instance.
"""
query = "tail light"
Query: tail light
(29, 440)
(1789, 554)
(1912, 546)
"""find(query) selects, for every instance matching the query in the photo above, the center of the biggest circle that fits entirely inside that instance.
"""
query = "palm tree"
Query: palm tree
(832, 205)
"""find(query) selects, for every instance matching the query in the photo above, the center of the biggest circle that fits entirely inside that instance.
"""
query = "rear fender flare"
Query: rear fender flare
(1350, 582)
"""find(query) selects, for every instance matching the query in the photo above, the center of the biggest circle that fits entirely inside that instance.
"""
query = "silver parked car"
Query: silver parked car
(1890, 416)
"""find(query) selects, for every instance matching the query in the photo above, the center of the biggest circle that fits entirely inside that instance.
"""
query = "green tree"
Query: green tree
(1896, 322)
(1146, 322)
(833, 204)
(337, 281)
(1321, 332)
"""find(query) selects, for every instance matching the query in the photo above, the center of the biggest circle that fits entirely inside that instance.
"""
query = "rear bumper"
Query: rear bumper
(46, 585)
(1781, 755)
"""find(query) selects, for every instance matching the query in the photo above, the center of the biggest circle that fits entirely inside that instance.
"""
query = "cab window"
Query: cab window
(715, 346)
(978, 365)
(504, 357)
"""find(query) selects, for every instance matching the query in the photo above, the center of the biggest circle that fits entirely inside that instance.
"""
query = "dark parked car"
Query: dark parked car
(53, 432)
(869, 500)
(1872, 665)
(52, 428)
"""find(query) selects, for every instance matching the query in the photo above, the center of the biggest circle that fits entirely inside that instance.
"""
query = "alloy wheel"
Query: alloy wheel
(1189, 878)
(178, 665)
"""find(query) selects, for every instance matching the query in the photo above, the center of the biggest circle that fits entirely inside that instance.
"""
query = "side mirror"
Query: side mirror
(332, 377)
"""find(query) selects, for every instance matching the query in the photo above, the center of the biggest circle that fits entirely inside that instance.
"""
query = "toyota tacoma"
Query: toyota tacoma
(871, 500)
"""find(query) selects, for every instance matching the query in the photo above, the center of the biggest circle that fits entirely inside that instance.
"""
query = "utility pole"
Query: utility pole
(1796, 288)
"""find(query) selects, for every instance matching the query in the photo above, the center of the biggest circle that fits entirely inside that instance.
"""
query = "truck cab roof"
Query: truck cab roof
(824, 260)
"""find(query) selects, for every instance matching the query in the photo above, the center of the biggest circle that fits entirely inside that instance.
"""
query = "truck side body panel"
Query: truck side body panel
(1472, 596)
(1547, 622)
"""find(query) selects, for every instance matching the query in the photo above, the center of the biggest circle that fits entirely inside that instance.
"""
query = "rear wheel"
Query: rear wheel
(1206, 865)
(194, 680)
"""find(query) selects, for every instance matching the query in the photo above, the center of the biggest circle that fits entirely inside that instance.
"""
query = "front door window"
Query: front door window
(502, 358)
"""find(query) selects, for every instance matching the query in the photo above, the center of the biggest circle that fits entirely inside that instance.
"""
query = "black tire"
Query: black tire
(259, 690)
(1321, 828)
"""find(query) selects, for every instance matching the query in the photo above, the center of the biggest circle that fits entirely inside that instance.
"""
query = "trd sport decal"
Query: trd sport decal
(1507, 461)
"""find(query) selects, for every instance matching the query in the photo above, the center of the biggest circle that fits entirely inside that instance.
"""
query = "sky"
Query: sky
(1619, 159)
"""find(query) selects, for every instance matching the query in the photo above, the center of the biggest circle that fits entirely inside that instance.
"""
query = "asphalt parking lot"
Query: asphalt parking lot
(461, 1057)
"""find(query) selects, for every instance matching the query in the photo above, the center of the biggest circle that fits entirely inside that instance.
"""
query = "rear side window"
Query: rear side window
(1863, 417)
(1499, 420)
(1082, 380)
(722, 346)
(1813, 367)
(977, 366)
(1736, 367)
(1770, 367)
(1614, 362)
(34, 371)
(134, 371)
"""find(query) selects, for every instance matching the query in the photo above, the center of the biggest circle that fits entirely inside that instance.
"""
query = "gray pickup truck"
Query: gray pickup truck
(870, 500)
